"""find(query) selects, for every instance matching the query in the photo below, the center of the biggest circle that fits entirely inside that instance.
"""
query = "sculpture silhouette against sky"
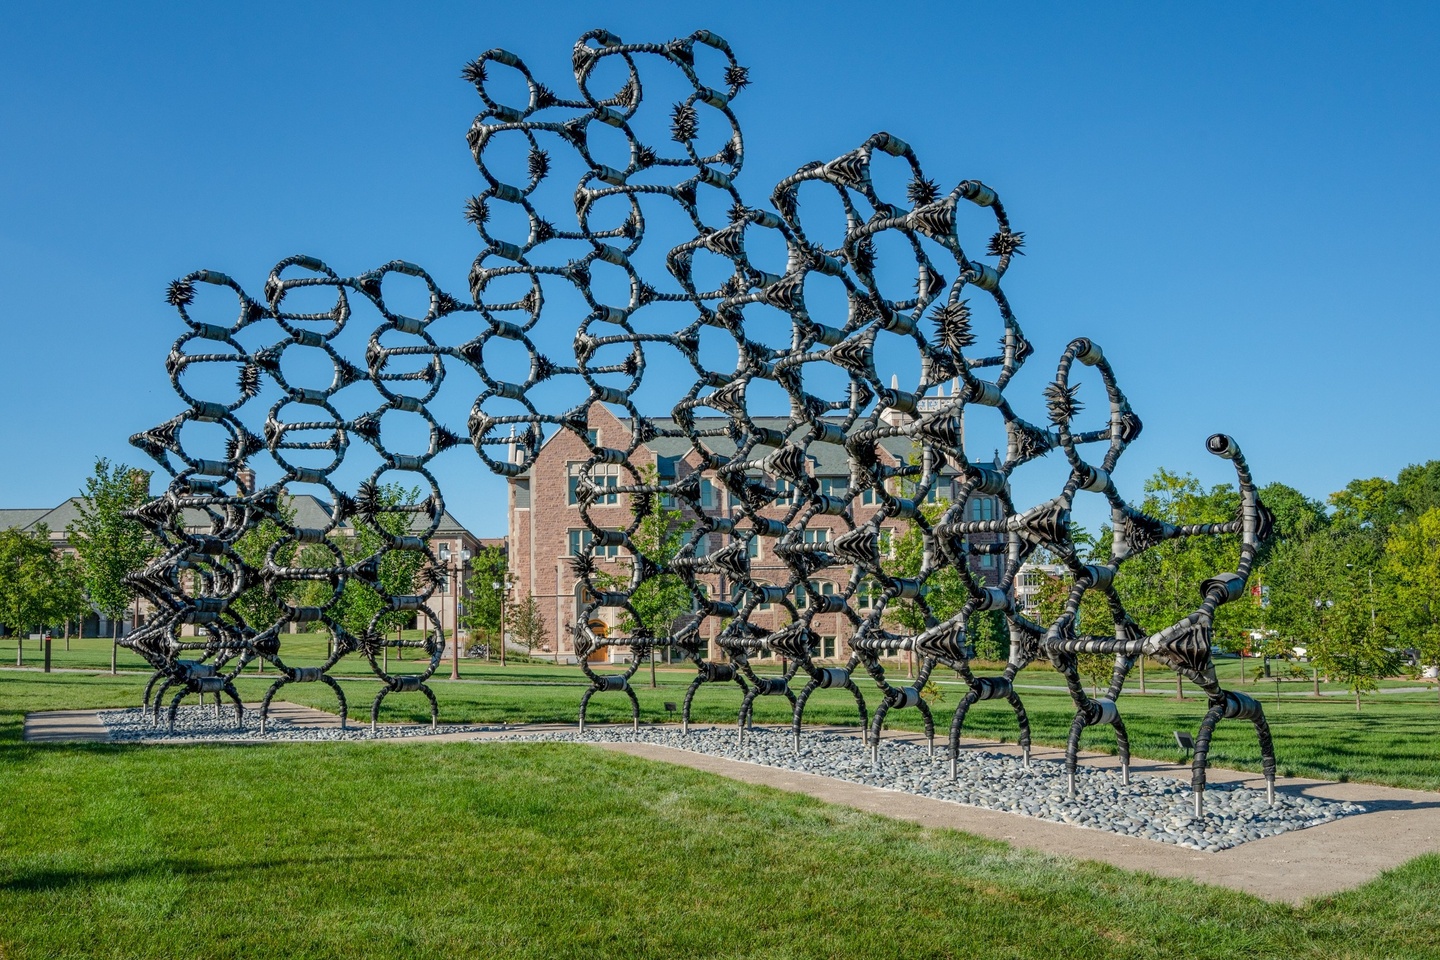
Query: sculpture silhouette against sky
(835, 275)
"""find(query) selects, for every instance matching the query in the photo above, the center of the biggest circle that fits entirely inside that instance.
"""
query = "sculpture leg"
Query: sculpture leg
(340, 695)
(234, 696)
(1267, 755)
(689, 697)
(955, 725)
(375, 707)
(1122, 746)
(929, 724)
(745, 709)
(1023, 719)
(876, 725)
(1072, 751)
(175, 706)
(859, 703)
(164, 687)
(799, 716)
(434, 706)
(149, 687)
(634, 709)
(584, 702)
(1202, 751)
(269, 695)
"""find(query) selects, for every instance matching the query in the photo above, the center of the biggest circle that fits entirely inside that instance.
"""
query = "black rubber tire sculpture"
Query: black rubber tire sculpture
(813, 292)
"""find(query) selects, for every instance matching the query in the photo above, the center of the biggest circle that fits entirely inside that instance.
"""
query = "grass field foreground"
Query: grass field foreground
(529, 850)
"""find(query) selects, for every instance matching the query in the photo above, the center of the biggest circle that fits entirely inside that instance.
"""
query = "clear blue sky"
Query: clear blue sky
(1238, 201)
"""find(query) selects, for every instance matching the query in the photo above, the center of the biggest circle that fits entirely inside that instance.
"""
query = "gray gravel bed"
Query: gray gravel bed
(1151, 808)
(198, 724)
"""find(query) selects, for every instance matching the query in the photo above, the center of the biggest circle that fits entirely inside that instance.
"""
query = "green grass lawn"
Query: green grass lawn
(443, 850)
(1390, 741)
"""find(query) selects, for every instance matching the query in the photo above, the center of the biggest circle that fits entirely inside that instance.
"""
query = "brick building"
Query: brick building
(546, 530)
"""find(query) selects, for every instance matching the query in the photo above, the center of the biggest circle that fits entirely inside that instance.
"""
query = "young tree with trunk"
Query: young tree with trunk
(526, 624)
(109, 543)
(485, 605)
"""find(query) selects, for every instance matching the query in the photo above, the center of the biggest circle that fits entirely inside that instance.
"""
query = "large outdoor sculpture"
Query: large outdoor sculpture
(832, 277)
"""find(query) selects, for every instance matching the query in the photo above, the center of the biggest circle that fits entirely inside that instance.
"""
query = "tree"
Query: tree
(1352, 648)
(526, 624)
(944, 591)
(1094, 621)
(1161, 586)
(257, 607)
(109, 543)
(70, 601)
(485, 606)
(359, 603)
(1412, 560)
(37, 588)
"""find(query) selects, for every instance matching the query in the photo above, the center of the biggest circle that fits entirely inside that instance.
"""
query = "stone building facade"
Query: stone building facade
(546, 530)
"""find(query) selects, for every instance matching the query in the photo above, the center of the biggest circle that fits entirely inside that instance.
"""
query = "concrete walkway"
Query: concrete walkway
(1292, 867)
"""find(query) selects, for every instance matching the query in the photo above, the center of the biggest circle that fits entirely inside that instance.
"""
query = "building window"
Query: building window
(987, 561)
(823, 587)
(592, 437)
(834, 486)
(885, 542)
(601, 474)
(784, 493)
(982, 508)
(817, 536)
(826, 648)
(752, 548)
(867, 594)
(707, 494)
(868, 497)
(580, 538)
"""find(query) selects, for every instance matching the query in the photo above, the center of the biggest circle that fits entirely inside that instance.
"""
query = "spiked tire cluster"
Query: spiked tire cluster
(881, 239)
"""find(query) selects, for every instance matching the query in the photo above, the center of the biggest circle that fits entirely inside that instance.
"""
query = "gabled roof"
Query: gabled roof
(310, 512)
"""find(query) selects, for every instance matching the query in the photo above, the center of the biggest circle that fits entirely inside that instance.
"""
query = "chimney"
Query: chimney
(245, 481)
(890, 415)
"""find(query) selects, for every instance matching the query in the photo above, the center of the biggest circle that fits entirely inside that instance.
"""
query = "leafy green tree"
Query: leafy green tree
(1417, 490)
(359, 602)
(484, 605)
(1412, 560)
(37, 588)
(259, 608)
(109, 543)
(1094, 621)
(1353, 647)
(944, 592)
(526, 623)
(69, 587)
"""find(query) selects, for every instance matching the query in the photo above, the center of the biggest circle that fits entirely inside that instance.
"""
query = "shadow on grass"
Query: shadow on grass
(50, 880)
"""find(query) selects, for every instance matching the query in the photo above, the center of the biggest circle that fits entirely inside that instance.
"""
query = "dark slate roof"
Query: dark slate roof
(21, 519)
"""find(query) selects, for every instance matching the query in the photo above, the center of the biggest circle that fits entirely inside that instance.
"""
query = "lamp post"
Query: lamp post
(500, 587)
(453, 571)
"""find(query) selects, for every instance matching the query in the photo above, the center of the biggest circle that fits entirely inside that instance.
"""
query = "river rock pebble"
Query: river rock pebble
(200, 724)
